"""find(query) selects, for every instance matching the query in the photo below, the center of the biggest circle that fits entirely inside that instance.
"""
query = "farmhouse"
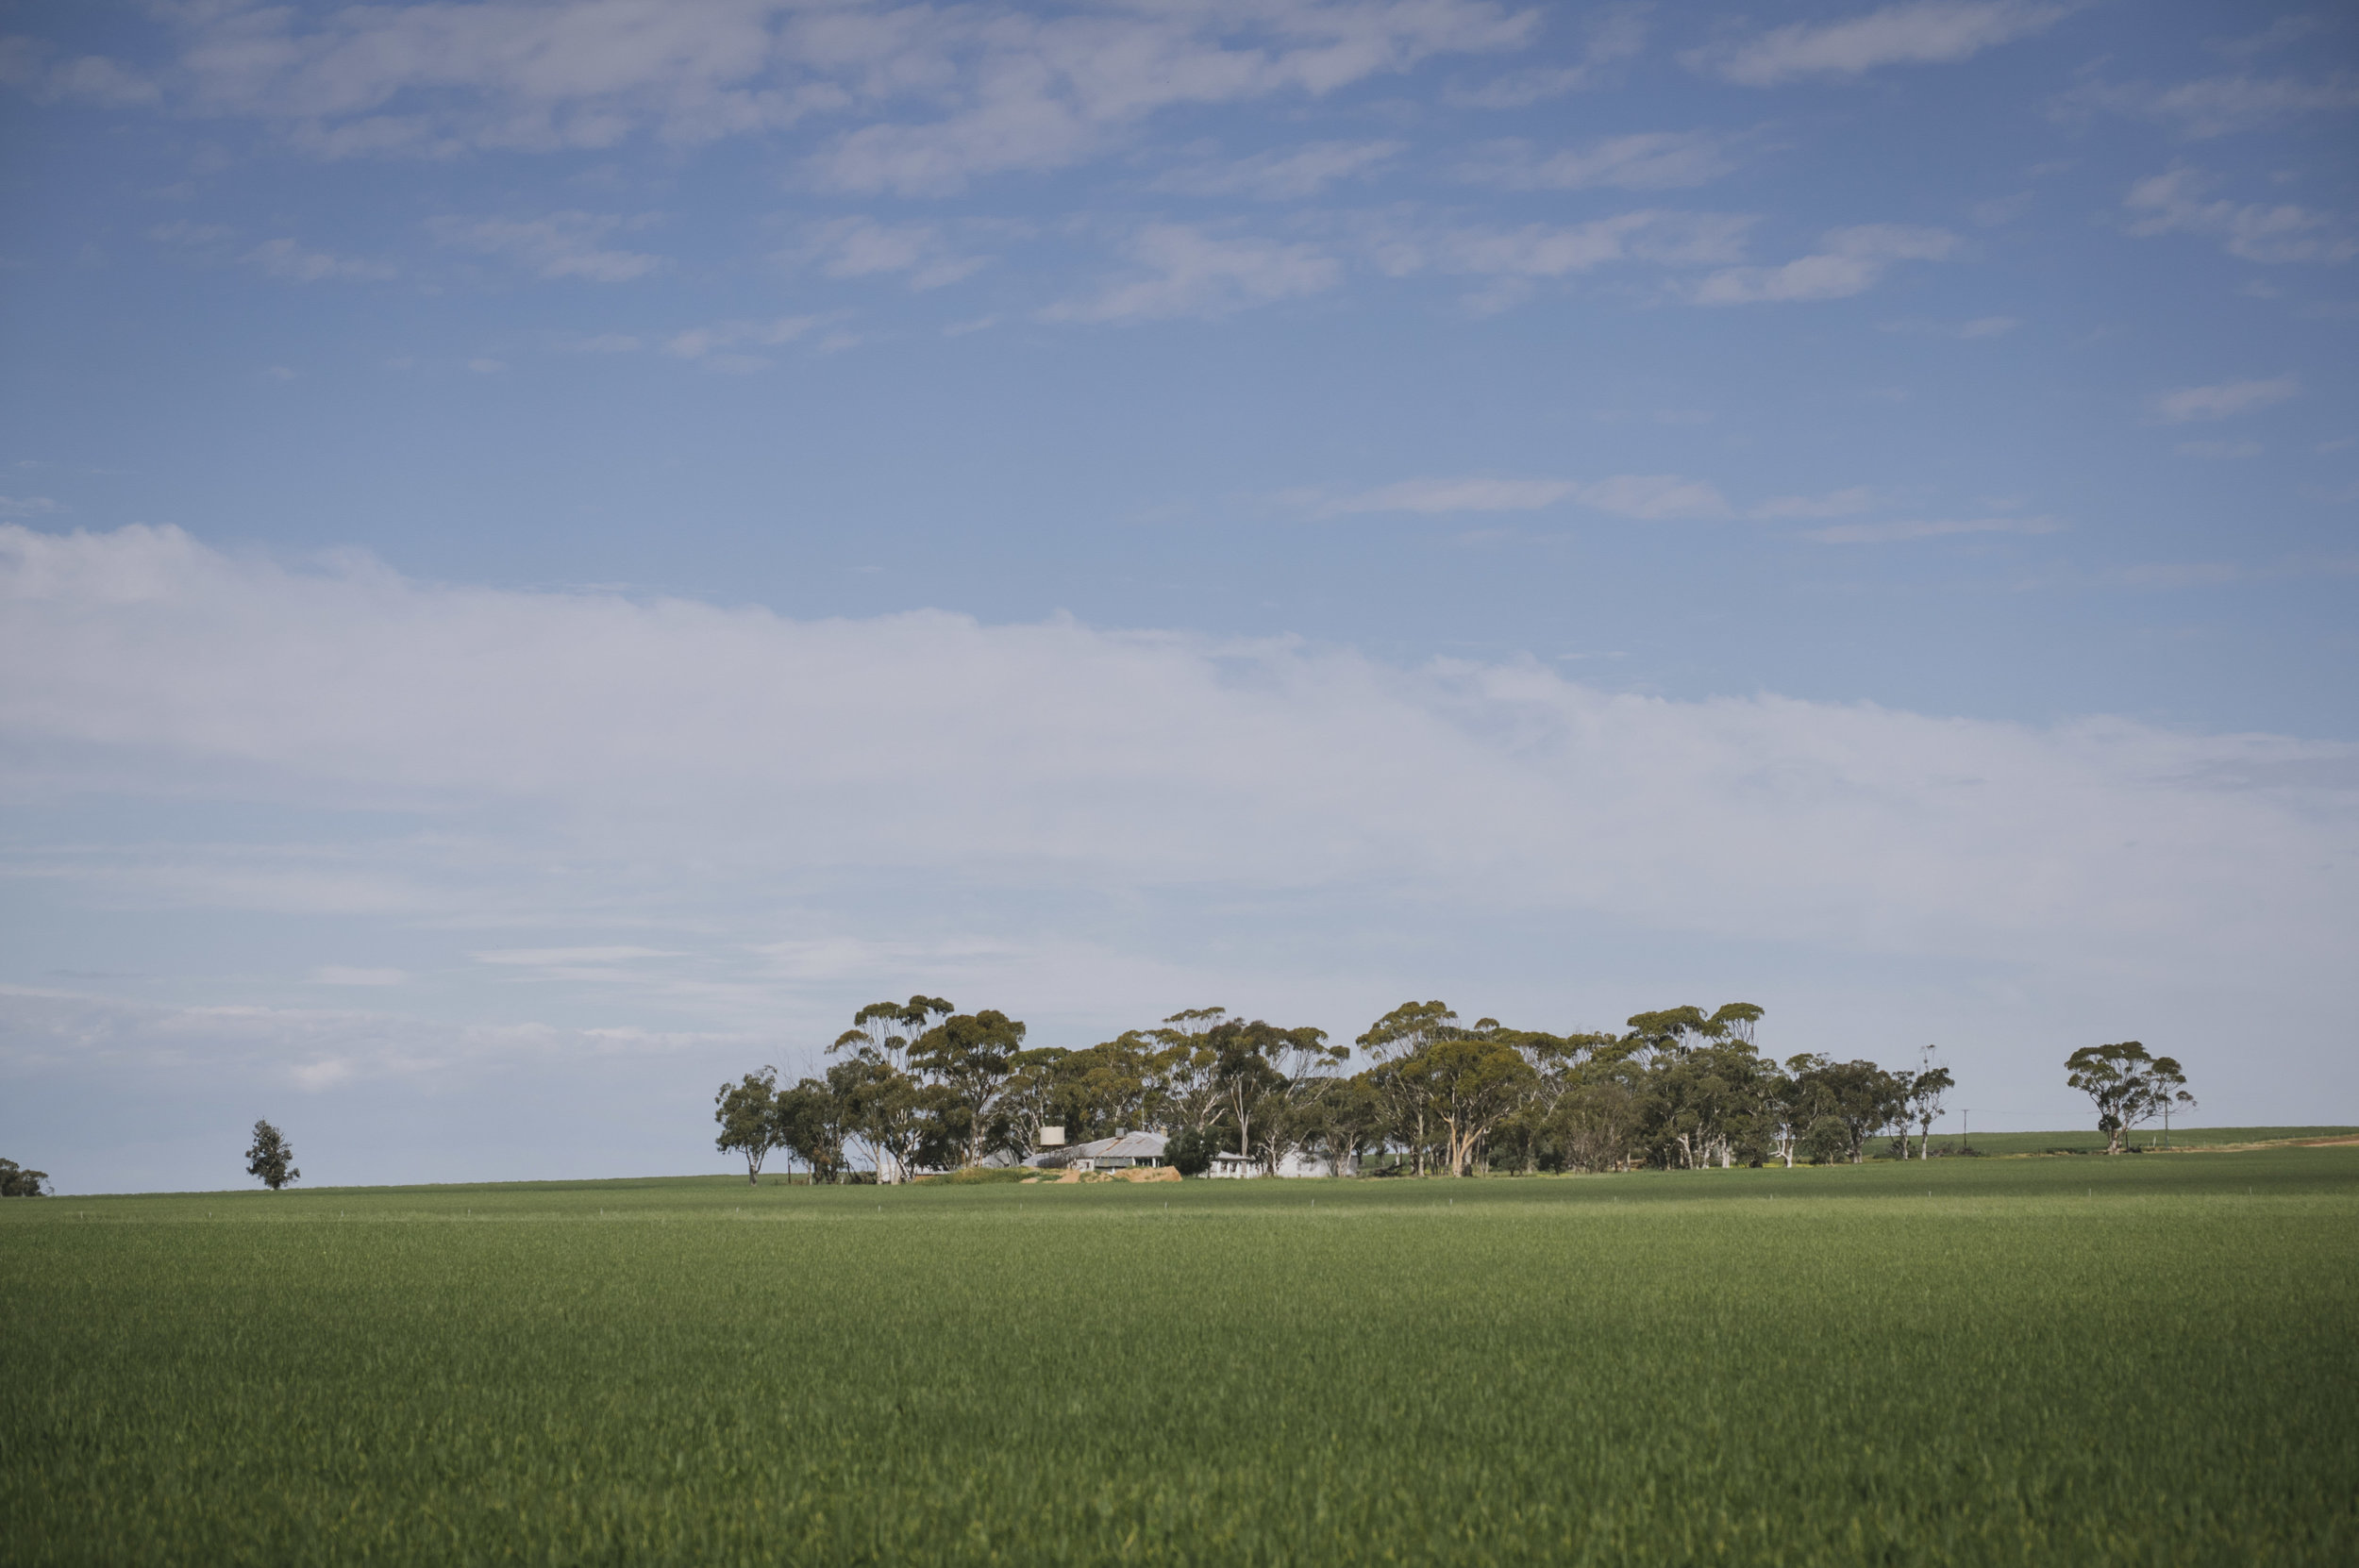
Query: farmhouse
(1128, 1149)
(1118, 1153)
(1295, 1165)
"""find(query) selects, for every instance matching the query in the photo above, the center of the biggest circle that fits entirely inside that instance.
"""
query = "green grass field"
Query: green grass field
(2087, 1142)
(2140, 1360)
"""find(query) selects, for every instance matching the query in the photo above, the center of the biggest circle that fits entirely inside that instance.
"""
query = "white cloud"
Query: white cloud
(722, 345)
(1183, 271)
(345, 974)
(1981, 326)
(2174, 203)
(863, 248)
(1617, 33)
(1838, 503)
(1852, 261)
(1023, 91)
(26, 505)
(27, 63)
(562, 245)
(1284, 174)
(715, 749)
(1651, 161)
(1927, 32)
(1439, 496)
(2218, 106)
(2222, 399)
(1654, 496)
(1649, 497)
(935, 95)
(309, 1048)
(287, 261)
(1547, 251)
(1895, 533)
(545, 958)
(487, 366)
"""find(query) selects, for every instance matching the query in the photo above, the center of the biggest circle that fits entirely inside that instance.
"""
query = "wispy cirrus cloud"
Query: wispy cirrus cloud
(1651, 161)
(1649, 496)
(927, 98)
(1288, 174)
(292, 263)
(353, 974)
(1617, 33)
(2221, 106)
(555, 245)
(35, 68)
(285, 259)
(1897, 533)
(1850, 261)
(1838, 503)
(1014, 91)
(2221, 399)
(725, 345)
(1977, 326)
(923, 253)
(1513, 262)
(1179, 270)
(1928, 32)
(2274, 234)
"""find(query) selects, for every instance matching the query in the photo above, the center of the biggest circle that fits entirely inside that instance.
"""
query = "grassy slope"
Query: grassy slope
(1987, 1361)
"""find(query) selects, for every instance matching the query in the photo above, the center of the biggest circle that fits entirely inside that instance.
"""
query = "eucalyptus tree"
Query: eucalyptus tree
(1848, 1102)
(1786, 1103)
(884, 1108)
(748, 1111)
(810, 1121)
(1704, 1103)
(1677, 1031)
(1926, 1087)
(887, 1029)
(1471, 1079)
(1390, 1043)
(969, 1057)
(1182, 1059)
(1256, 1064)
(1039, 1094)
(887, 1103)
(18, 1182)
(2128, 1085)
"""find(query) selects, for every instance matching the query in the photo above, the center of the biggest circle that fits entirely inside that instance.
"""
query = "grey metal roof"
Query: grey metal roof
(1130, 1145)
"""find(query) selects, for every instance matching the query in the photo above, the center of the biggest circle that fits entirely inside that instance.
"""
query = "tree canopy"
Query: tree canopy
(271, 1158)
(920, 1086)
(2128, 1085)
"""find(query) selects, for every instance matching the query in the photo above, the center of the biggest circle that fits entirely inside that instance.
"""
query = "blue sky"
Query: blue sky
(555, 549)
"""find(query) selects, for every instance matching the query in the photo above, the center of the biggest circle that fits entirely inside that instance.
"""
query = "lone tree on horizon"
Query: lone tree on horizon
(272, 1158)
(2128, 1085)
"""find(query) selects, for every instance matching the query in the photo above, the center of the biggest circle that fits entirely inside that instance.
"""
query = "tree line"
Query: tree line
(920, 1086)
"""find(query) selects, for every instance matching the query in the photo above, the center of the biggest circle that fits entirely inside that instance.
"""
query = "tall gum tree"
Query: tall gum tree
(2129, 1086)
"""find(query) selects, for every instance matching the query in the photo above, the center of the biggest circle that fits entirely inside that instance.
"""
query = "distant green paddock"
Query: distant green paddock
(2091, 1142)
(2149, 1360)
